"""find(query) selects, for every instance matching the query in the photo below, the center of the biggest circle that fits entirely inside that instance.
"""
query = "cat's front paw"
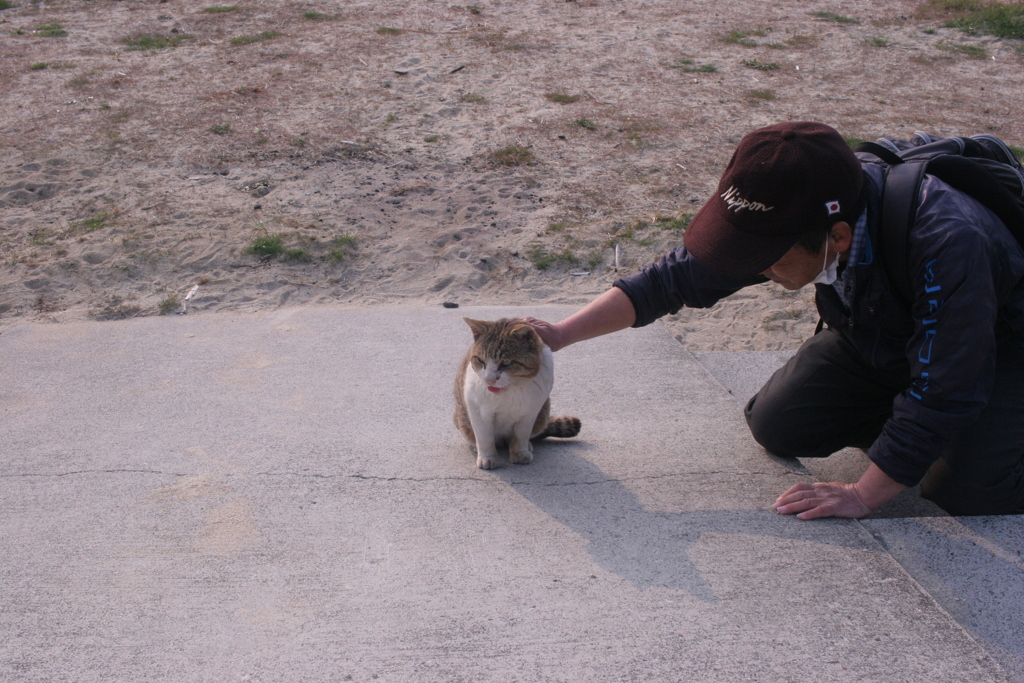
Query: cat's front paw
(523, 457)
(487, 463)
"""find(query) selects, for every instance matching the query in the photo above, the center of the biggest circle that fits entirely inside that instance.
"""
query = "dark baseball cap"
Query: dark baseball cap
(783, 180)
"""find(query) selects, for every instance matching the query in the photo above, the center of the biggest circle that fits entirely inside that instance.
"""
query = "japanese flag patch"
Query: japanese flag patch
(832, 207)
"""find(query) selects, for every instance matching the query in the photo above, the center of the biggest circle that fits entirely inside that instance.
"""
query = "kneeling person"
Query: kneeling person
(933, 388)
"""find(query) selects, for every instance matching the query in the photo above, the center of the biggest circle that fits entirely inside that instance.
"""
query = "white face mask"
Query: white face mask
(829, 271)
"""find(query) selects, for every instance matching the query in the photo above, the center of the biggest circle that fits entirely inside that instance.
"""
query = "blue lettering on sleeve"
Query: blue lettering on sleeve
(929, 278)
(925, 354)
(921, 385)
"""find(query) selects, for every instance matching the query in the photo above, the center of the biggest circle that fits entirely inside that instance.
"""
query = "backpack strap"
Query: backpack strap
(899, 204)
(899, 201)
(884, 153)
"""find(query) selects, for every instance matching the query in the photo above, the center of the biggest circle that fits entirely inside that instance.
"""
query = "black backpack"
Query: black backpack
(981, 166)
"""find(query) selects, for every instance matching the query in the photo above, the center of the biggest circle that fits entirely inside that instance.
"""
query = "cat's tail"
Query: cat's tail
(560, 427)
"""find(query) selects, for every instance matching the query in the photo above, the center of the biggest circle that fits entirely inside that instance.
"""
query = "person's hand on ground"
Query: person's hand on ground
(811, 501)
(551, 335)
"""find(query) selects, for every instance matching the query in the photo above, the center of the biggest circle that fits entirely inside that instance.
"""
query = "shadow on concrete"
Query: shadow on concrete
(646, 548)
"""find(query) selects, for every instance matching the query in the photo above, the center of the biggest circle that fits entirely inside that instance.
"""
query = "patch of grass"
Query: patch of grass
(248, 40)
(688, 66)
(957, 5)
(51, 31)
(266, 246)
(762, 94)
(739, 38)
(432, 138)
(513, 155)
(556, 227)
(996, 19)
(1019, 151)
(800, 40)
(876, 41)
(562, 98)
(342, 247)
(79, 82)
(832, 16)
(38, 66)
(296, 255)
(7, 4)
(853, 141)
(678, 223)
(116, 309)
(472, 98)
(584, 122)
(316, 16)
(759, 65)
(221, 9)
(97, 222)
(474, 9)
(168, 304)
(39, 237)
(636, 139)
(390, 31)
(970, 51)
(220, 128)
(150, 41)
(543, 259)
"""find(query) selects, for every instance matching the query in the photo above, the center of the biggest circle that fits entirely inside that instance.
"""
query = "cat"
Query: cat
(502, 389)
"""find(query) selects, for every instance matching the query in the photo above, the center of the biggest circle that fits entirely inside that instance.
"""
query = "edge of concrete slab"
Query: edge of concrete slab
(970, 567)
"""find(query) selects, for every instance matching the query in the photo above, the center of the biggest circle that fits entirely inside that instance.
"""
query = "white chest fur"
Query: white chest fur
(498, 415)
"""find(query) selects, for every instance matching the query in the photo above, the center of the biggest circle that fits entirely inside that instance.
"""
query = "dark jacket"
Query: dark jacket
(966, 269)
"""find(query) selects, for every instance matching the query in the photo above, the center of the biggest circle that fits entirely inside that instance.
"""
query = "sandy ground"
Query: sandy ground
(147, 145)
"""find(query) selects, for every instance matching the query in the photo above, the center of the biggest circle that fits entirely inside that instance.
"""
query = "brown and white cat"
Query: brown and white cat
(502, 389)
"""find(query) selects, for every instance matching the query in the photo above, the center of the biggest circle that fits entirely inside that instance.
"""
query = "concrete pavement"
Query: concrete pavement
(283, 497)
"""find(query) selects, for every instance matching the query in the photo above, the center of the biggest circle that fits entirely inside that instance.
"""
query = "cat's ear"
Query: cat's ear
(524, 331)
(479, 327)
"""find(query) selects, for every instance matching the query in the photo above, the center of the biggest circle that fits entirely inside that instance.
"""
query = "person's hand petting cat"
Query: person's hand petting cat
(610, 312)
(551, 334)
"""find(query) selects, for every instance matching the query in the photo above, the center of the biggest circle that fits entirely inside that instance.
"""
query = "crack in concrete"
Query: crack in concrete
(654, 477)
(369, 477)
(27, 475)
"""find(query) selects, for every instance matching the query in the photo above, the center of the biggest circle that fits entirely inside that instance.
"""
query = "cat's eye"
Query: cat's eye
(478, 360)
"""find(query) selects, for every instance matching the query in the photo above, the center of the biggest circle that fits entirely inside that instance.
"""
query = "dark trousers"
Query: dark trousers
(827, 398)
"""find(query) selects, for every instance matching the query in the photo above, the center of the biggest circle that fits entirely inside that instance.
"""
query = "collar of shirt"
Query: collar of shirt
(860, 254)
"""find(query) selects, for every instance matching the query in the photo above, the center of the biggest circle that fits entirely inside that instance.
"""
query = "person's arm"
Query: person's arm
(833, 499)
(673, 281)
(610, 312)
